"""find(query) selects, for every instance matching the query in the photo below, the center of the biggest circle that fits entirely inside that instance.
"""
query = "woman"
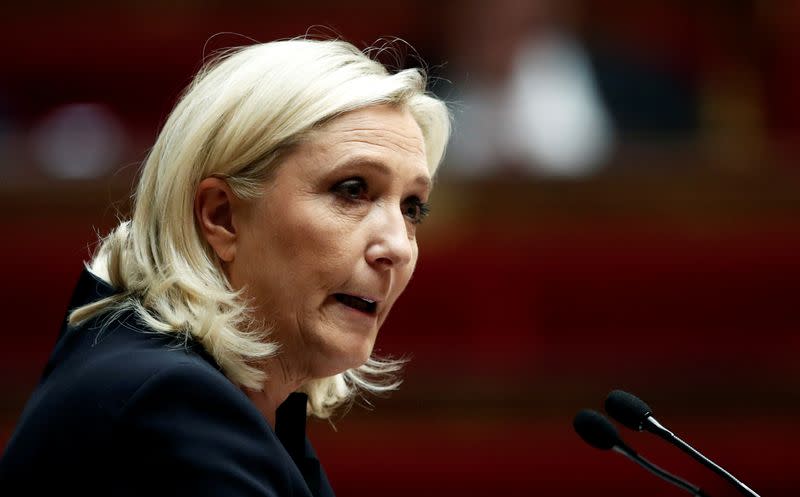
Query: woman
(273, 230)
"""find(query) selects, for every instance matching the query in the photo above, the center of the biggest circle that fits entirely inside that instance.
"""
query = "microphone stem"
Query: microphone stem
(657, 428)
(633, 456)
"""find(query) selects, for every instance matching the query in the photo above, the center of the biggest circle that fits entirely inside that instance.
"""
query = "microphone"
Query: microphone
(633, 413)
(598, 432)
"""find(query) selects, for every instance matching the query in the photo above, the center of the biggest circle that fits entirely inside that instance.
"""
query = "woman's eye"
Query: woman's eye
(415, 210)
(352, 189)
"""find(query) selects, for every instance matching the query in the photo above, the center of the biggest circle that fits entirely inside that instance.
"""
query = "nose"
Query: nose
(390, 245)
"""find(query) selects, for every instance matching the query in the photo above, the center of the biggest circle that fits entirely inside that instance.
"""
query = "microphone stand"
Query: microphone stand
(650, 424)
(633, 456)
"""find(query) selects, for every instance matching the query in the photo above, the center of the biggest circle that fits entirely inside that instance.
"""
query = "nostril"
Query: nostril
(385, 261)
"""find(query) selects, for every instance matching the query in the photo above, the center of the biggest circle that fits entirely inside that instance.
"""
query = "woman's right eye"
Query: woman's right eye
(351, 189)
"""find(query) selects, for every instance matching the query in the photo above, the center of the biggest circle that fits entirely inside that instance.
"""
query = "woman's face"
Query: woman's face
(331, 244)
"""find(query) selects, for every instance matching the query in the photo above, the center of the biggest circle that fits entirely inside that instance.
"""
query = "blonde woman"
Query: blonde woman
(273, 230)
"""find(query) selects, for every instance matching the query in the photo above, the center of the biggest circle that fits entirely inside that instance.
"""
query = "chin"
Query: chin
(350, 358)
(362, 358)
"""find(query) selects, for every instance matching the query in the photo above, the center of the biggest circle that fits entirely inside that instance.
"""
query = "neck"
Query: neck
(276, 388)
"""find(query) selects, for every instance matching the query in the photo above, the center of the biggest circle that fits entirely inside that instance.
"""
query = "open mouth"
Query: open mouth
(358, 303)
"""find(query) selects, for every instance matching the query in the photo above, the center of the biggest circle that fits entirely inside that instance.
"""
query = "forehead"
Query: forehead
(386, 131)
(388, 125)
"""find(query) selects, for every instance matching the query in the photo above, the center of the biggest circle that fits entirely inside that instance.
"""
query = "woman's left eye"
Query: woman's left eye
(415, 209)
(352, 189)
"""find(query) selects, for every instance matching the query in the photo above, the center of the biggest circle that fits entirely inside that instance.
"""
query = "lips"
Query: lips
(361, 304)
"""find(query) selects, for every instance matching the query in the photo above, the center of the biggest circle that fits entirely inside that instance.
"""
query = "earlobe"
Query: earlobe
(213, 209)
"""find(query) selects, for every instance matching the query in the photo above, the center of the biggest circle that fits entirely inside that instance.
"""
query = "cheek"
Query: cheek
(404, 275)
(319, 247)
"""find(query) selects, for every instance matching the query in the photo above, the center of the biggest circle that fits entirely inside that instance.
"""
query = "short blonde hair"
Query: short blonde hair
(236, 120)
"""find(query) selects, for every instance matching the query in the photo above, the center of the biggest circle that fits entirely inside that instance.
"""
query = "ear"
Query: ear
(214, 204)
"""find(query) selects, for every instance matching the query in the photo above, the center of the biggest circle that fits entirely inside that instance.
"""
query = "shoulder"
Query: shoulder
(107, 365)
(102, 375)
(178, 384)
(189, 431)
(125, 402)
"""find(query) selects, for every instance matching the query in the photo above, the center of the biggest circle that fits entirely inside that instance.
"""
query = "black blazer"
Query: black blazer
(123, 411)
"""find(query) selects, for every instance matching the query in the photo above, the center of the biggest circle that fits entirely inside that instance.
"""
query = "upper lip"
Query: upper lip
(370, 299)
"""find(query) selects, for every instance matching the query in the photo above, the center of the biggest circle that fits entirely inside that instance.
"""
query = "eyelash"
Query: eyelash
(422, 210)
(347, 190)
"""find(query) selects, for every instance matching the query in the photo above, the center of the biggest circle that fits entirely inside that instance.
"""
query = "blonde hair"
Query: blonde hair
(236, 120)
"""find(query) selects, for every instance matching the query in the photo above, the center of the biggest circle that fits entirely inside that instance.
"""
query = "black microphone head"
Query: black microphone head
(628, 409)
(596, 430)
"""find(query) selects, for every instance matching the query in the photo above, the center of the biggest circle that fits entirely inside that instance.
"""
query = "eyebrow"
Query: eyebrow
(382, 168)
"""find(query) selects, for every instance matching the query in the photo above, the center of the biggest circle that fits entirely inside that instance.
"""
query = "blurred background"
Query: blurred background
(618, 209)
